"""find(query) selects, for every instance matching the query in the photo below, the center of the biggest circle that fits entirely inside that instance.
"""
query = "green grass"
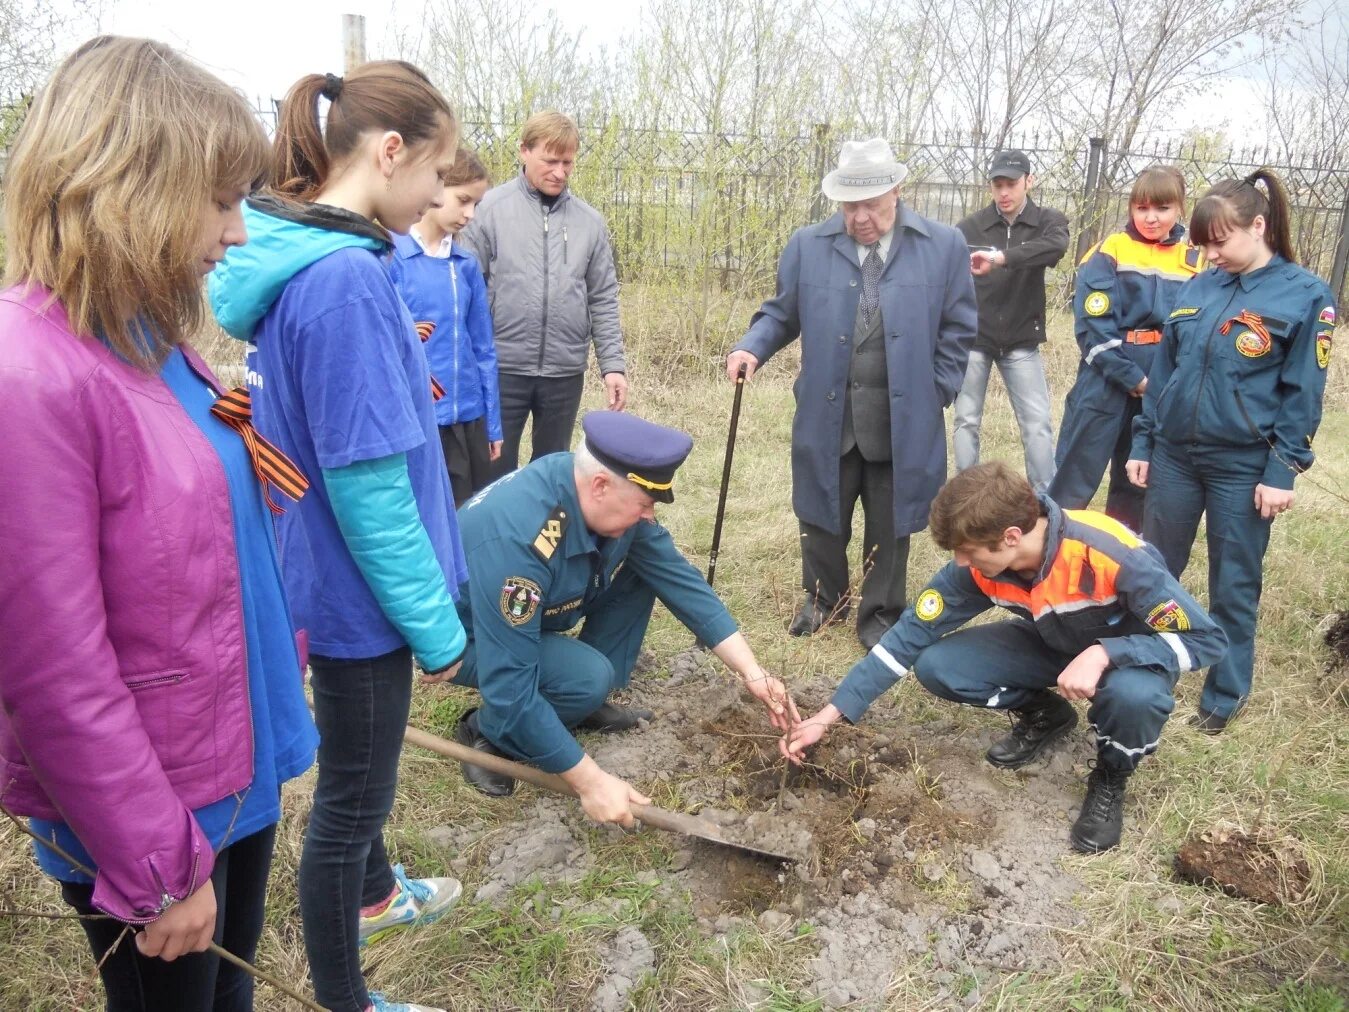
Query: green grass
(1146, 941)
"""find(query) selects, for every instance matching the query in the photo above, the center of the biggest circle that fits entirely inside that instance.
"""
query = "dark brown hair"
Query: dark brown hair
(979, 504)
(375, 97)
(1159, 184)
(468, 168)
(1234, 203)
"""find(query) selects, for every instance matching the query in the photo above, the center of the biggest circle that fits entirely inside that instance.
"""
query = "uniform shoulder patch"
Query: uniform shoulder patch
(1181, 311)
(1169, 616)
(1324, 339)
(551, 533)
(1327, 316)
(1096, 304)
(929, 605)
(519, 600)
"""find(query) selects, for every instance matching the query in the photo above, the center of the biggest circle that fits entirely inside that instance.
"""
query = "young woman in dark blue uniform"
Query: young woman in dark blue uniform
(1232, 405)
(1126, 286)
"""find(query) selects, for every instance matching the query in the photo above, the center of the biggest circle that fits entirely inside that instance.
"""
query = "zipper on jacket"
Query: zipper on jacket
(543, 324)
(454, 293)
(1250, 424)
(564, 243)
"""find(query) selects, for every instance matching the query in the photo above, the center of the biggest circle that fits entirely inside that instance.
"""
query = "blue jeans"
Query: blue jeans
(1005, 665)
(1023, 373)
(200, 981)
(1185, 482)
(361, 709)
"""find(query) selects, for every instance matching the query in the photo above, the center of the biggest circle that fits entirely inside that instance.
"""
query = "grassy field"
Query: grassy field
(1145, 940)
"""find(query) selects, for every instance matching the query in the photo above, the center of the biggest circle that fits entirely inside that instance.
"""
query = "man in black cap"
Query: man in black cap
(1011, 241)
(574, 537)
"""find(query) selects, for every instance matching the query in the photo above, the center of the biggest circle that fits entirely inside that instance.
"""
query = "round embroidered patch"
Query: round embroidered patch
(1097, 304)
(519, 600)
(1253, 345)
(929, 605)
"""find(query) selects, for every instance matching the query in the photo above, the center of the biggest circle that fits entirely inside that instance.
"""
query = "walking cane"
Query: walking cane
(726, 473)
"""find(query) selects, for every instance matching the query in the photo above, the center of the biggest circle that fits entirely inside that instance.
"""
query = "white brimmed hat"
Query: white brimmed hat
(866, 169)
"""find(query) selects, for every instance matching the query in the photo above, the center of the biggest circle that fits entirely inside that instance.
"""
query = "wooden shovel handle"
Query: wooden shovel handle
(454, 750)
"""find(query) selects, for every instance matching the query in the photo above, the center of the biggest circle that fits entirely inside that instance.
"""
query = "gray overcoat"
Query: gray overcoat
(930, 317)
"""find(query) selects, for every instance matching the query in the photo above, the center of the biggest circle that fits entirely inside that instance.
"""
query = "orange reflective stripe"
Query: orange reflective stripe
(273, 468)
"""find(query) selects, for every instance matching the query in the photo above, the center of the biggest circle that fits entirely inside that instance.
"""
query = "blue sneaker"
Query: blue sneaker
(418, 901)
(382, 1004)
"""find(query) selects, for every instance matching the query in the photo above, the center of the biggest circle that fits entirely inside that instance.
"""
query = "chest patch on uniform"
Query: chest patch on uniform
(519, 600)
(550, 534)
(929, 605)
(1253, 344)
(1327, 316)
(1323, 342)
(1096, 304)
(1176, 314)
(1169, 616)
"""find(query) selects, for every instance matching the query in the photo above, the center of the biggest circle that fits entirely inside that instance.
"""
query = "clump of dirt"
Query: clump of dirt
(1253, 867)
(1337, 667)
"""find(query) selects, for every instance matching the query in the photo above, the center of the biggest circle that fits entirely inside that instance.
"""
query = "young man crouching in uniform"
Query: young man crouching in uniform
(1098, 618)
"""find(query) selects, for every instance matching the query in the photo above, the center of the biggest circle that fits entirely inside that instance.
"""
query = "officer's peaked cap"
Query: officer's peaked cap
(645, 453)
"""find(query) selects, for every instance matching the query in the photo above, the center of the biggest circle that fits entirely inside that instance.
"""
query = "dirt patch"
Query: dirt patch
(1337, 667)
(1259, 868)
(914, 845)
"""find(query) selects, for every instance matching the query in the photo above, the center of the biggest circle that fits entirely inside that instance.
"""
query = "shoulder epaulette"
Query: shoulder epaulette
(551, 533)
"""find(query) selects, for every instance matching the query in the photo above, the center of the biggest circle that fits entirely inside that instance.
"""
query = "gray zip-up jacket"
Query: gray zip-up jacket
(550, 279)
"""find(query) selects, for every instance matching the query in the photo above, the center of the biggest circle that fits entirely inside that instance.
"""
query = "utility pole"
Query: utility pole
(353, 42)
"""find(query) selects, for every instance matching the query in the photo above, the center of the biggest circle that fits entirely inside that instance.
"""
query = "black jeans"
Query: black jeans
(198, 982)
(467, 458)
(361, 709)
(554, 402)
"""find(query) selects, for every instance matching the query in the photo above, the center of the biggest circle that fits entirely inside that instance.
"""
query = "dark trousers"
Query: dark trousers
(1219, 483)
(552, 400)
(885, 558)
(198, 982)
(361, 709)
(577, 673)
(1004, 665)
(466, 457)
(1097, 430)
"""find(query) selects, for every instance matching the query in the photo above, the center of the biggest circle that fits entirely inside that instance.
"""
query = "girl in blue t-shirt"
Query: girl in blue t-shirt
(371, 556)
(151, 692)
(442, 285)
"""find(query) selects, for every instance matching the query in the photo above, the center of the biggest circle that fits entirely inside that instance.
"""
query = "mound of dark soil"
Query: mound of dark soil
(1255, 868)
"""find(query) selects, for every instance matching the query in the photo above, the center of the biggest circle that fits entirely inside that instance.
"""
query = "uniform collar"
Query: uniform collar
(1176, 234)
(1249, 281)
(1054, 528)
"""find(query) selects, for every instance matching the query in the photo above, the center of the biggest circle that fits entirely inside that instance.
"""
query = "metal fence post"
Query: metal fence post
(1090, 194)
(1341, 264)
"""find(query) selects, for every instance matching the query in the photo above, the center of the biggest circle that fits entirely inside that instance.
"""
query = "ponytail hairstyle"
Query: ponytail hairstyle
(107, 184)
(468, 168)
(375, 97)
(1159, 184)
(1234, 203)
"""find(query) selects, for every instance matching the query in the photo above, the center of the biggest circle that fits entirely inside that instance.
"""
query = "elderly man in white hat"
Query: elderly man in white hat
(883, 302)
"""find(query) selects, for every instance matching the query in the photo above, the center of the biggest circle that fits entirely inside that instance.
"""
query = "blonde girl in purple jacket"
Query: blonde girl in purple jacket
(151, 700)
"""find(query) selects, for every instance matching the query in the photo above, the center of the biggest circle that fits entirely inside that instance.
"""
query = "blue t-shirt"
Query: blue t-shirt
(338, 375)
(284, 737)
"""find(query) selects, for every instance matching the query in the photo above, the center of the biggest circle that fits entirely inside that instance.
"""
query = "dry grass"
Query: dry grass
(1147, 941)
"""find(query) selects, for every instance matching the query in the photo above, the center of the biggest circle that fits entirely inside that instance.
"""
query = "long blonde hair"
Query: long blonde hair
(108, 183)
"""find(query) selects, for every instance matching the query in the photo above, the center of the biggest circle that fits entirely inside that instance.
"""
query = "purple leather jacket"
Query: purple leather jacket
(123, 690)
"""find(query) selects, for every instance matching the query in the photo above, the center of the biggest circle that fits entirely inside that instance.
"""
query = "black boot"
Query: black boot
(611, 719)
(813, 616)
(494, 785)
(1208, 723)
(1040, 723)
(1101, 820)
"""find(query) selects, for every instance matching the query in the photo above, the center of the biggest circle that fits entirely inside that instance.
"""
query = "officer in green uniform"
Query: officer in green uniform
(573, 539)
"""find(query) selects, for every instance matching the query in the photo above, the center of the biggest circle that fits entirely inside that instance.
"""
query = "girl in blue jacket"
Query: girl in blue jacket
(443, 287)
(1232, 405)
(371, 555)
(1126, 285)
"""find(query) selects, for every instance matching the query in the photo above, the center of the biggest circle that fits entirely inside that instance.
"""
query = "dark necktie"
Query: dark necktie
(871, 283)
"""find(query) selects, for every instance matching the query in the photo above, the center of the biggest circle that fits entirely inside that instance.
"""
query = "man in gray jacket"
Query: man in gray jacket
(549, 267)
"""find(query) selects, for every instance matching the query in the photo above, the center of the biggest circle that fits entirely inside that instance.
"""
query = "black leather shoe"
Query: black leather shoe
(611, 719)
(1038, 725)
(1101, 820)
(813, 617)
(494, 785)
(1208, 723)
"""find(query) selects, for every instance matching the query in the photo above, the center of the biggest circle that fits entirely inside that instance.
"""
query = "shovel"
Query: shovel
(673, 822)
